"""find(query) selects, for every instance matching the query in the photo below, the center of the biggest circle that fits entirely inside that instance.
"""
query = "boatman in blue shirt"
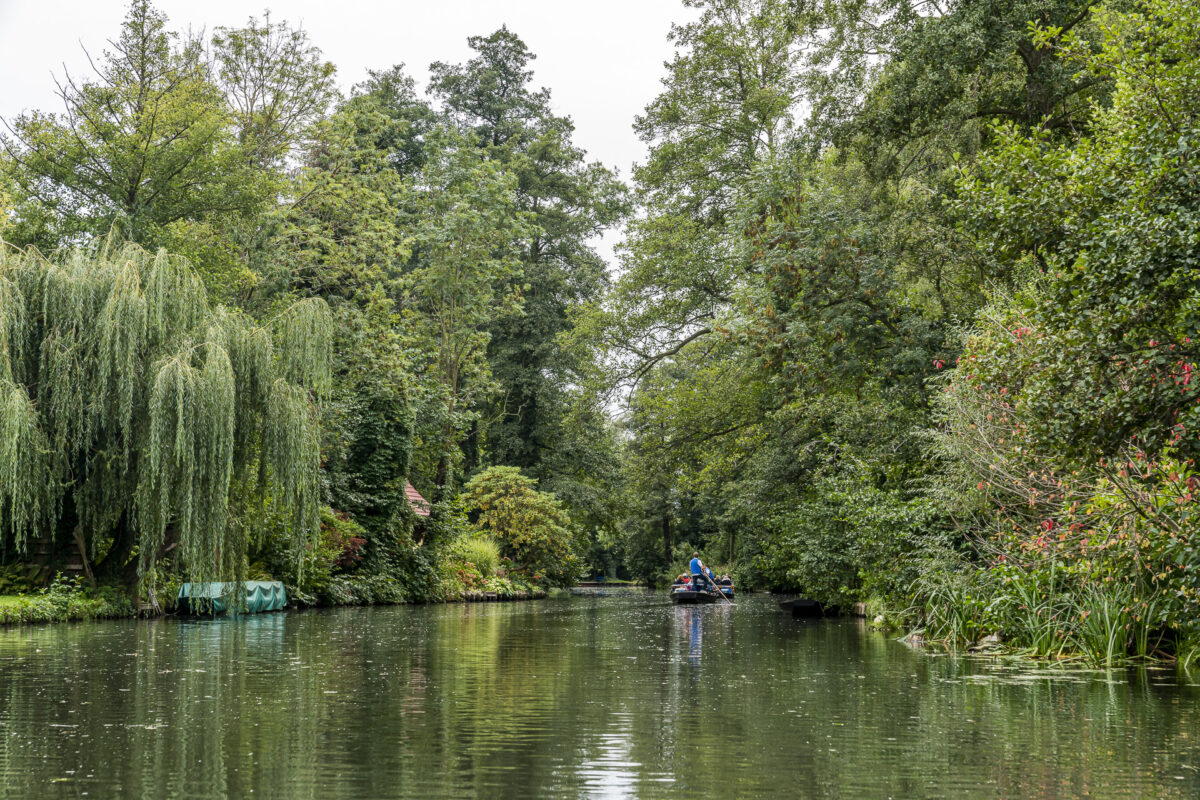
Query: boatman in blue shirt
(698, 570)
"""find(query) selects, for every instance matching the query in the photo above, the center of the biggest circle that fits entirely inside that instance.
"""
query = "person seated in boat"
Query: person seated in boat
(726, 580)
(680, 579)
(699, 578)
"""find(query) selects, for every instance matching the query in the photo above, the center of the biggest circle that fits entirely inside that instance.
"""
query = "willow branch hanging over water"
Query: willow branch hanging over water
(132, 410)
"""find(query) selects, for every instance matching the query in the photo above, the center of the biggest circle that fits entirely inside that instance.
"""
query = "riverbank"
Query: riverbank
(67, 601)
(1113, 642)
(492, 597)
(1056, 647)
(62, 602)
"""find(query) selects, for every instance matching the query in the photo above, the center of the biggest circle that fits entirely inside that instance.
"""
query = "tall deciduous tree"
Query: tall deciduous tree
(394, 93)
(489, 95)
(535, 420)
(277, 85)
(141, 144)
(342, 238)
(729, 97)
(726, 109)
(342, 229)
(725, 112)
(909, 75)
(460, 284)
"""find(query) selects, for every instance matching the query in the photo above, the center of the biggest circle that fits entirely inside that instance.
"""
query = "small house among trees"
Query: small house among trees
(420, 505)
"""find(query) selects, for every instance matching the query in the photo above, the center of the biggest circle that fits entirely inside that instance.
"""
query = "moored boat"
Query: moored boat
(213, 599)
(803, 608)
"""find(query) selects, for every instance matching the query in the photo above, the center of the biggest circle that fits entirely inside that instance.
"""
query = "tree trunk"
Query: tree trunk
(442, 488)
(81, 544)
(118, 567)
(668, 545)
(470, 450)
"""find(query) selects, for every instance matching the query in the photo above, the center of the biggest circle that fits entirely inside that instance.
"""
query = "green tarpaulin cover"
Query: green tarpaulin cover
(216, 598)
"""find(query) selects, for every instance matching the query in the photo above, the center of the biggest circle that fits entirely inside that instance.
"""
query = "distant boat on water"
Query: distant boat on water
(694, 592)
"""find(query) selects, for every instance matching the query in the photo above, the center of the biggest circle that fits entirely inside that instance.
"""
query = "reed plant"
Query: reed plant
(1148, 628)
(1188, 652)
(956, 609)
(1041, 611)
(481, 550)
(1105, 621)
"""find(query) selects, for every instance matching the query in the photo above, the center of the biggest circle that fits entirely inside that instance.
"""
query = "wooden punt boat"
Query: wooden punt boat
(693, 593)
(803, 608)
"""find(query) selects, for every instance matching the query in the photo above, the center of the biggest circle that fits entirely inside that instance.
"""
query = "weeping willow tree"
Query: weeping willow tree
(140, 420)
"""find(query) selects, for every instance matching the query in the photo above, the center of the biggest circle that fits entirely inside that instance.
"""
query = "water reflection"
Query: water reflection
(690, 621)
(613, 697)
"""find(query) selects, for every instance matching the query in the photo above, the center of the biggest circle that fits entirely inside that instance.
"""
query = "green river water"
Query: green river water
(600, 696)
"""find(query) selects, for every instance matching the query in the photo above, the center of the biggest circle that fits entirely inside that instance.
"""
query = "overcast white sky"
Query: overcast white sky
(602, 60)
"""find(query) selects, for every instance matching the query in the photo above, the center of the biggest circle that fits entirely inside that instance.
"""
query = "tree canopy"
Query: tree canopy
(137, 412)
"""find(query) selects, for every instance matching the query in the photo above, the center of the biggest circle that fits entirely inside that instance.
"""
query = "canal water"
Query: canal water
(601, 696)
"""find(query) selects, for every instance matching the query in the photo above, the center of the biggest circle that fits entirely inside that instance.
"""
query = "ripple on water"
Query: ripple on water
(598, 696)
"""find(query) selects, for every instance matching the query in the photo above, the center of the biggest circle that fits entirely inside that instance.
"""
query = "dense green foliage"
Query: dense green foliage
(136, 416)
(905, 313)
(531, 527)
(533, 420)
(909, 318)
(64, 600)
(392, 275)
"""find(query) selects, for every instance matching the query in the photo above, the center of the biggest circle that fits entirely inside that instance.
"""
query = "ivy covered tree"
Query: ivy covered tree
(393, 92)
(135, 417)
(343, 239)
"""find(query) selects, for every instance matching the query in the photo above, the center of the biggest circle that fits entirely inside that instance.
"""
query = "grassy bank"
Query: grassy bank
(63, 601)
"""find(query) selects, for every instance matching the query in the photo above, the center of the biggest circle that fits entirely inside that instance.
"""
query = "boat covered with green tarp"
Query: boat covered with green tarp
(217, 598)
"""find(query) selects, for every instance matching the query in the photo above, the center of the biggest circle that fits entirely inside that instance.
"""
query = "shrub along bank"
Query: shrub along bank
(64, 600)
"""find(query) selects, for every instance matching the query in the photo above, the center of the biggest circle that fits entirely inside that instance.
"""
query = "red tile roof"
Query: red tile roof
(420, 505)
